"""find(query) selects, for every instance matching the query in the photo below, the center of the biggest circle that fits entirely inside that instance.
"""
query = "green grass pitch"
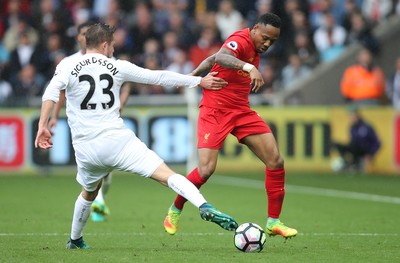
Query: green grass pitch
(340, 218)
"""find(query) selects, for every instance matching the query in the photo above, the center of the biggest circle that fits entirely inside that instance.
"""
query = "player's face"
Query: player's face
(81, 38)
(109, 50)
(264, 36)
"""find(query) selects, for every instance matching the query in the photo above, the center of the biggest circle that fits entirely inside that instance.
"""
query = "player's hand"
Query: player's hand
(43, 139)
(212, 82)
(256, 79)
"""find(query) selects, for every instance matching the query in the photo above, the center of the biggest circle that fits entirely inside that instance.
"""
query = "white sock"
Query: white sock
(182, 186)
(81, 214)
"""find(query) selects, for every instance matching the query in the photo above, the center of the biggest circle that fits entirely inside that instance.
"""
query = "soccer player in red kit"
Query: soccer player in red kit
(228, 111)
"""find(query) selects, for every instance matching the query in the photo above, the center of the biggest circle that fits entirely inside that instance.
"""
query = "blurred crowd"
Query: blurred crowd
(178, 34)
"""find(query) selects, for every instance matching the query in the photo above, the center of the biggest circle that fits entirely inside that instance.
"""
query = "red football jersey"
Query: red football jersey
(236, 93)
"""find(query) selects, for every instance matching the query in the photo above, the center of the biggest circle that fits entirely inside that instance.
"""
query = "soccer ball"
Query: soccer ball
(250, 237)
(338, 164)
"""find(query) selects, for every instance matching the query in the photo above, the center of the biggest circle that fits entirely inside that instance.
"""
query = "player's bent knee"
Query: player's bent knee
(206, 172)
(276, 163)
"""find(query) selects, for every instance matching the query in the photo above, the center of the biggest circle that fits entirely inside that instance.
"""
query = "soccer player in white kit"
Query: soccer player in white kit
(100, 139)
(99, 207)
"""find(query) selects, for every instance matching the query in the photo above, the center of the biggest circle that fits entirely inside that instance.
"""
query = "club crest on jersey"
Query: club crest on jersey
(233, 45)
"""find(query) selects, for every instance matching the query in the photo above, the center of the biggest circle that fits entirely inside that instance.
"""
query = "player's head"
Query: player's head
(80, 37)
(265, 31)
(100, 38)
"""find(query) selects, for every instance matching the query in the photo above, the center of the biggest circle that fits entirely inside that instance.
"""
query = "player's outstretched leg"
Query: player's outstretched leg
(276, 227)
(77, 244)
(210, 213)
(172, 219)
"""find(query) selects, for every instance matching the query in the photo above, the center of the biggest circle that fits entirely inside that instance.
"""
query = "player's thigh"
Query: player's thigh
(252, 131)
(136, 157)
(264, 146)
(89, 172)
(213, 126)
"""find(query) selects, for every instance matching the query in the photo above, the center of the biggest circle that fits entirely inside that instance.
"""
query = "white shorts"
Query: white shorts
(113, 150)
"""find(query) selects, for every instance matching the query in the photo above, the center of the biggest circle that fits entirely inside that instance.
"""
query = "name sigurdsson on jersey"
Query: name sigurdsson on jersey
(93, 60)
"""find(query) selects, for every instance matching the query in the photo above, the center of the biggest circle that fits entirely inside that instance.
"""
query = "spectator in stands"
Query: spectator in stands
(361, 32)
(350, 7)
(4, 56)
(294, 71)
(393, 86)
(54, 50)
(26, 53)
(80, 11)
(150, 61)
(318, 9)
(11, 12)
(271, 82)
(12, 34)
(170, 48)
(329, 39)
(260, 7)
(28, 84)
(163, 10)
(178, 24)
(295, 19)
(123, 44)
(300, 22)
(182, 65)
(228, 19)
(160, 15)
(151, 49)
(363, 146)
(5, 88)
(364, 82)
(115, 9)
(142, 30)
(376, 10)
(100, 8)
(206, 45)
(51, 18)
(305, 49)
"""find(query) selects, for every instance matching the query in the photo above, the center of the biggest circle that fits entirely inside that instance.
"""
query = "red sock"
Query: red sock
(197, 180)
(275, 188)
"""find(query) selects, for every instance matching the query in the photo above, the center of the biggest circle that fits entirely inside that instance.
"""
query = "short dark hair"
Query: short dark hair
(99, 33)
(83, 25)
(269, 19)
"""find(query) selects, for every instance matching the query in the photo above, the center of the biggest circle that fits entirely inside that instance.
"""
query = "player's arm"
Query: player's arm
(225, 58)
(204, 66)
(50, 96)
(43, 136)
(56, 110)
(168, 78)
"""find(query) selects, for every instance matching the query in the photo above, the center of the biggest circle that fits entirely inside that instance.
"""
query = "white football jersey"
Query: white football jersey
(92, 87)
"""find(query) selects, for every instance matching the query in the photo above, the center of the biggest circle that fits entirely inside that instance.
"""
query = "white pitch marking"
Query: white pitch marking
(257, 184)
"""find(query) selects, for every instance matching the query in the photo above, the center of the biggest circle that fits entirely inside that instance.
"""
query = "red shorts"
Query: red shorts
(214, 125)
